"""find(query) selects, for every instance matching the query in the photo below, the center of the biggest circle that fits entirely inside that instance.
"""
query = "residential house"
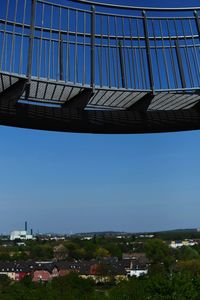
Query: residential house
(14, 270)
(137, 268)
(179, 244)
(45, 271)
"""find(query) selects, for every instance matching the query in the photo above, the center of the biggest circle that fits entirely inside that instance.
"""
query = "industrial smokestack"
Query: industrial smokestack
(26, 226)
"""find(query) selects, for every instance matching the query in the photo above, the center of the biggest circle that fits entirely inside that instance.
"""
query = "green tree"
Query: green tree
(159, 252)
(188, 266)
(72, 284)
(175, 287)
(4, 282)
(102, 252)
(187, 253)
(134, 289)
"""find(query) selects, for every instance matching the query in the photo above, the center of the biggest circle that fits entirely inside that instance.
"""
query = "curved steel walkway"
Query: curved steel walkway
(92, 67)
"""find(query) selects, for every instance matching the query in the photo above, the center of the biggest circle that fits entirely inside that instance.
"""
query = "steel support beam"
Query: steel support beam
(80, 101)
(197, 106)
(142, 104)
(14, 92)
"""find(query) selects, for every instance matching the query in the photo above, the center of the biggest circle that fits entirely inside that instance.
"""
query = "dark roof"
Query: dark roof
(15, 267)
(49, 266)
(116, 267)
(26, 267)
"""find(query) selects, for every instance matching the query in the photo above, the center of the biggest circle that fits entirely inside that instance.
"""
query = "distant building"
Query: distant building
(15, 271)
(133, 255)
(20, 235)
(136, 268)
(179, 244)
(138, 272)
(148, 236)
(45, 271)
(87, 238)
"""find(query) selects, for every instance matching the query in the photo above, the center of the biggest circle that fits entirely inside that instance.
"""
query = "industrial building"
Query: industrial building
(21, 234)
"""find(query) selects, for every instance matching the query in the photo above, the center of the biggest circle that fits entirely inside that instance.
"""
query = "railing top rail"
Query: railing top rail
(127, 7)
(63, 6)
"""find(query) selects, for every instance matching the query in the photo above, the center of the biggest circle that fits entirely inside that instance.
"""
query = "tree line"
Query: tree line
(159, 286)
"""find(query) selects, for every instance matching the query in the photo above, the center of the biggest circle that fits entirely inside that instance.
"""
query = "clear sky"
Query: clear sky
(80, 182)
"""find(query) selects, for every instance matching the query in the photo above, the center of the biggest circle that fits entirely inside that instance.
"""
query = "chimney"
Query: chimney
(25, 225)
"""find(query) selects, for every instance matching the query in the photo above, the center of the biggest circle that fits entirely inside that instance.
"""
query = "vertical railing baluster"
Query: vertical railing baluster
(84, 49)
(195, 55)
(50, 44)
(3, 43)
(197, 21)
(11, 63)
(180, 64)
(198, 28)
(60, 48)
(93, 17)
(141, 82)
(40, 43)
(76, 49)
(156, 53)
(171, 53)
(31, 40)
(68, 47)
(101, 48)
(187, 57)
(124, 54)
(137, 55)
(116, 48)
(30, 47)
(108, 49)
(148, 52)
(53, 60)
(22, 40)
(61, 56)
(164, 54)
(121, 64)
(132, 66)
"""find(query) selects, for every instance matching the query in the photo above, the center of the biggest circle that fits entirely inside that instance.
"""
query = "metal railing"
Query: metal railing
(101, 46)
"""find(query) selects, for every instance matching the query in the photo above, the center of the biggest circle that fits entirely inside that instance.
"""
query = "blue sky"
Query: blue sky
(80, 182)
(72, 182)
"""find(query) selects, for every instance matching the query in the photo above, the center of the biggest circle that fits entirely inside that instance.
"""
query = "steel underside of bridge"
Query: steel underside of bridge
(99, 69)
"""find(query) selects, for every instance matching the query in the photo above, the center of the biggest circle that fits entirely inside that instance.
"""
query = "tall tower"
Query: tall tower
(26, 226)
